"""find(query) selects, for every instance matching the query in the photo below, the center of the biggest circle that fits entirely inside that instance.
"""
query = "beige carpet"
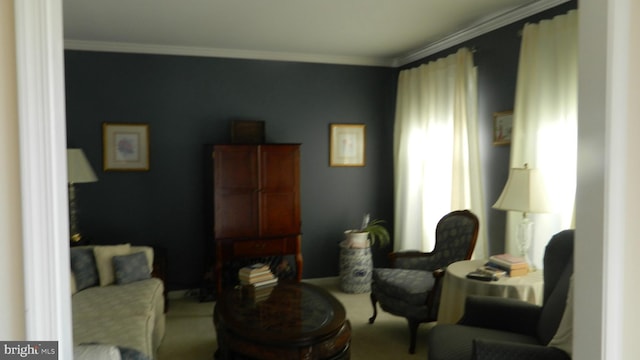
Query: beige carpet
(190, 333)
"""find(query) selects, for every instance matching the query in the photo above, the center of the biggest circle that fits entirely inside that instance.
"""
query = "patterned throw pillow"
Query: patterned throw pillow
(130, 268)
(132, 354)
(83, 265)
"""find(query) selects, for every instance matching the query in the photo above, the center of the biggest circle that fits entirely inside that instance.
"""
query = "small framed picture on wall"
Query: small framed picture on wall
(125, 147)
(502, 125)
(347, 144)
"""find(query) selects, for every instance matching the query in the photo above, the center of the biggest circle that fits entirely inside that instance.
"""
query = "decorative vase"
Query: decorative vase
(356, 239)
(356, 266)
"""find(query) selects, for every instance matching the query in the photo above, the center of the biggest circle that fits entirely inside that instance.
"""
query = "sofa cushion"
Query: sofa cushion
(134, 331)
(130, 268)
(96, 352)
(409, 286)
(130, 315)
(104, 255)
(83, 265)
(455, 342)
(136, 298)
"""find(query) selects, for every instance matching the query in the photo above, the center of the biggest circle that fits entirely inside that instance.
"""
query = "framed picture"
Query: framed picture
(502, 125)
(125, 147)
(347, 145)
(247, 132)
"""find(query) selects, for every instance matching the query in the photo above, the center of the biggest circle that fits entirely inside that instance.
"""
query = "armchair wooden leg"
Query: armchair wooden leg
(413, 330)
(374, 302)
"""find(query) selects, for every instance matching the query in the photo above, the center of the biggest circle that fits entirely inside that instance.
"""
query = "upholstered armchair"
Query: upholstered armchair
(411, 288)
(498, 328)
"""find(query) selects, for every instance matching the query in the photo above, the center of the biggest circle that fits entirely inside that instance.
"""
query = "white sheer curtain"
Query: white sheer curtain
(437, 162)
(545, 123)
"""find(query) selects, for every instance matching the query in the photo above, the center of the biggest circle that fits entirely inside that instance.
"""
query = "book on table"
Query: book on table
(492, 270)
(245, 280)
(259, 293)
(256, 275)
(264, 283)
(254, 269)
(513, 265)
(508, 260)
(518, 272)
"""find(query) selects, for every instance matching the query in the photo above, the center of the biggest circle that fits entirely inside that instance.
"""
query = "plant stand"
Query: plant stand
(356, 266)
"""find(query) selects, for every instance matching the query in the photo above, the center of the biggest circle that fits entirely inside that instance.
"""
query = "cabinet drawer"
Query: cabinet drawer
(260, 247)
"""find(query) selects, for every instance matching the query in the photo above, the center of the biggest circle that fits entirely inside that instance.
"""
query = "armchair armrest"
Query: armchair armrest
(501, 314)
(491, 350)
(413, 260)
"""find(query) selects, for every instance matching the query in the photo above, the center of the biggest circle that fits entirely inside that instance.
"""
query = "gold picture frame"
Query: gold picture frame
(125, 147)
(347, 145)
(502, 127)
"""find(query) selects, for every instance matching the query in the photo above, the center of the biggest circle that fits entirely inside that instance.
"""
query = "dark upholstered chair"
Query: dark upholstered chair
(498, 328)
(411, 288)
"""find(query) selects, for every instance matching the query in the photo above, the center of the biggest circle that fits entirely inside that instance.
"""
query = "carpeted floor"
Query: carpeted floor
(190, 334)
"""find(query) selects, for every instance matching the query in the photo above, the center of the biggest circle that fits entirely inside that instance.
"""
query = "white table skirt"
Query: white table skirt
(456, 287)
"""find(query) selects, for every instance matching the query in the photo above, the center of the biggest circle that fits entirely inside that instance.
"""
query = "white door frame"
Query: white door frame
(43, 172)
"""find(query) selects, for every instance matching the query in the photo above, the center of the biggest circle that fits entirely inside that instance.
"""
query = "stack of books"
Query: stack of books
(513, 265)
(257, 275)
(258, 294)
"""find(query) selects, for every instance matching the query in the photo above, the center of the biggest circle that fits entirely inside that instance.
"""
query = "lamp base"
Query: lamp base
(525, 236)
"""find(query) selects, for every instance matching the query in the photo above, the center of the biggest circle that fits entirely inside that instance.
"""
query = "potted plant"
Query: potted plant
(356, 264)
(370, 232)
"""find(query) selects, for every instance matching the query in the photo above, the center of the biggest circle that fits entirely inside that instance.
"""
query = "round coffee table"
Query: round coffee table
(288, 321)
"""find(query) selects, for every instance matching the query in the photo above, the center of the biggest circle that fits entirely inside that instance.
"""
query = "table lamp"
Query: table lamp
(524, 192)
(78, 171)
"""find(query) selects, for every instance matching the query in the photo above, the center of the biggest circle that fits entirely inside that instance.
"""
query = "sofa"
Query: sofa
(116, 302)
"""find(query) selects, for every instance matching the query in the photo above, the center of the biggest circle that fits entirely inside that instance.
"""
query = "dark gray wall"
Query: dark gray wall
(188, 102)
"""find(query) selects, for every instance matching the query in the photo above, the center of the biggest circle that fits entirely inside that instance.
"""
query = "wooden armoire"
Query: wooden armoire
(256, 203)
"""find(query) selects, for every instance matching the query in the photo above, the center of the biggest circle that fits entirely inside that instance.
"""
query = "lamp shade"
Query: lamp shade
(524, 191)
(78, 168)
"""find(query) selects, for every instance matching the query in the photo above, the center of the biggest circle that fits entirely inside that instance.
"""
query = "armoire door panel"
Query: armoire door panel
(279, 167)
(231, 216)
(279, 214)
(235, 191)
(236, 167)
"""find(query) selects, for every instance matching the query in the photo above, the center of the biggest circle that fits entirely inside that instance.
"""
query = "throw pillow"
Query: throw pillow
(148, 250)
(104, 255)
(563, 339)
(83, 265)
(130, 268)
(132, 354)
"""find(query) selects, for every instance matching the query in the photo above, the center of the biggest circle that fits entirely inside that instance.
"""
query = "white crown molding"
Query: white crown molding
(221, 53)
(481, 27)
